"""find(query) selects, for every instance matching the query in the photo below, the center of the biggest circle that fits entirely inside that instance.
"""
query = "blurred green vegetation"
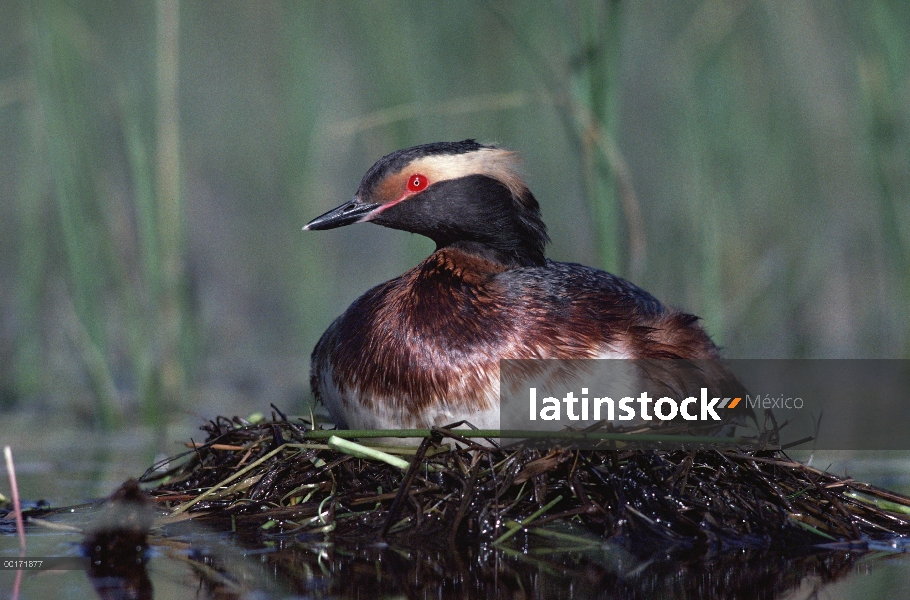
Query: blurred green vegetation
(746, 161)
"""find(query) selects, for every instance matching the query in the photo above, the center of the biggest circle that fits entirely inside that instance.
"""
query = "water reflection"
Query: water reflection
(426, 571)
(187, 560)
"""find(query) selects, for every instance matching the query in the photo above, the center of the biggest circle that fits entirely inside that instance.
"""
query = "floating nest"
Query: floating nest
(283, 478)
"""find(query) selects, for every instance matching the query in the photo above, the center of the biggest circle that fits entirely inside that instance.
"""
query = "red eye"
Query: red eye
(417, 183)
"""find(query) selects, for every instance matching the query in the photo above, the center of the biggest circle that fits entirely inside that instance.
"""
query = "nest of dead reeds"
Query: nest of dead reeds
(283, 478)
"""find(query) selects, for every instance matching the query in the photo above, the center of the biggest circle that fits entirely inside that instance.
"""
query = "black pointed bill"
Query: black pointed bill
(354, 211)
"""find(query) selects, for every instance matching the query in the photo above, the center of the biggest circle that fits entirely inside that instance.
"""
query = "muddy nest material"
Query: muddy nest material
(282, 478)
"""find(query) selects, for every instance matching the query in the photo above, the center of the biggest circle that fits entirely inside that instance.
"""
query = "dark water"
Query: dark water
(190, 562)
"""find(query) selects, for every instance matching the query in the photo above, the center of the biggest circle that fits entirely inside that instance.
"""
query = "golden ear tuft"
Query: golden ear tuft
(496, 163)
